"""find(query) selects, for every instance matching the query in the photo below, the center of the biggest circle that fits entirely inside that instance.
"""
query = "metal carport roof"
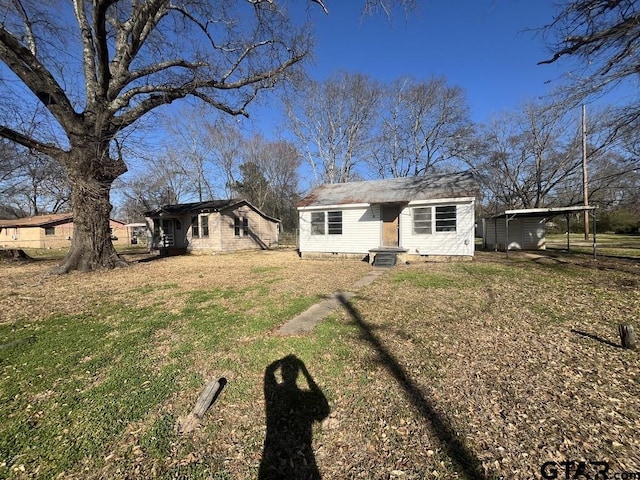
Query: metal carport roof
(549, 212)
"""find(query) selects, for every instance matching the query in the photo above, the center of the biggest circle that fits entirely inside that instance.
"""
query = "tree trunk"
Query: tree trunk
(91, 246)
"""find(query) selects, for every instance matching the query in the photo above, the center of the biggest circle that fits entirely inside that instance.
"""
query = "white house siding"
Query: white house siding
(360, 231)
(524, 233)
(460, 242)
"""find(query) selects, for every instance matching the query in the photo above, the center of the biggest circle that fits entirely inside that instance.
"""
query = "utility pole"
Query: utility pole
(585, 181)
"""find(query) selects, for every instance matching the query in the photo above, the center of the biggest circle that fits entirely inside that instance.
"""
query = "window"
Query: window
(178, 225)
(241, 226)
(204, 226)
(334, 223)
(49, 230)
(195, 230)
(422, 220)
(317, 223)
(446, 218)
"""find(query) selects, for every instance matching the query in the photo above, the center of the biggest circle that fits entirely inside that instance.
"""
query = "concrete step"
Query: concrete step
(384, 259)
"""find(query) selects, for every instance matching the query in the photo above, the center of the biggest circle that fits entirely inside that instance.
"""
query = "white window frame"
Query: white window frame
(318, 227)
(424, 222)
(445, 224)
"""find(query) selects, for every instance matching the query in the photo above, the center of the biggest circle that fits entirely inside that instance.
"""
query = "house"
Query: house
(430, 216)
(49, 231)
(526, 229)
(211, 227)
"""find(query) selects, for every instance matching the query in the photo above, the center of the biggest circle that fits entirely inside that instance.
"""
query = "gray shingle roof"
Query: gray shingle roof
(395, 190)
(194, 207)
(180, 209)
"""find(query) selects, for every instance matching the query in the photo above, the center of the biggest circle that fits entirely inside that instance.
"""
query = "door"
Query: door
(390, 225)
(166, 235)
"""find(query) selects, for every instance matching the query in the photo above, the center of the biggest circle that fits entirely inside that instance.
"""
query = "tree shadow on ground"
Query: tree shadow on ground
(595, 337)
(290, 412)
(551, 258)
(464, 461)
(145, 258)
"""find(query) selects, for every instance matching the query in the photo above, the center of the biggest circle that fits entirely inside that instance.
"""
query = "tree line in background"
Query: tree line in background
(351, 127)
(78, 81)
(31, 183)
(214, 160)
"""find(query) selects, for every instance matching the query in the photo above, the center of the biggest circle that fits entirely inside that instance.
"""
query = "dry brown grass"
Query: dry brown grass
(510, 364)
(28, 292)
(488, 368)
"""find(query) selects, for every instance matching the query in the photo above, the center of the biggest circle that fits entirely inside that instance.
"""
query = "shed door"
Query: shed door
(390, 224)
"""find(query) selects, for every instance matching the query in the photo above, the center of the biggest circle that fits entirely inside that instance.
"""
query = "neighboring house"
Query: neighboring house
(211, 227)
(419, 216)
(48, 231)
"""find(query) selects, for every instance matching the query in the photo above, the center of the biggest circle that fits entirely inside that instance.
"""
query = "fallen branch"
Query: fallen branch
(208, 396)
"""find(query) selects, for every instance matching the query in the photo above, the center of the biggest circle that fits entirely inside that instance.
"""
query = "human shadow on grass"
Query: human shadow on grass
(463, 459)
(291, 412)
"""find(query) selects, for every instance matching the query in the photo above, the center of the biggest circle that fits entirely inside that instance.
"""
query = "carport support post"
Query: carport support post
(567, 217)
(595, 229)
(506, 232)
(507, 219)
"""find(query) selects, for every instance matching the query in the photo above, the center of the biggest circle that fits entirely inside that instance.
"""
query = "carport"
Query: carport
(501, 223)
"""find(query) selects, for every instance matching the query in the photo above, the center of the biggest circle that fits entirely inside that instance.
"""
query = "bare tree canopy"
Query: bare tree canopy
(333, 122)
(268, 178)
(603, 36)
(423, 125)
(97, 67)
(524, 157)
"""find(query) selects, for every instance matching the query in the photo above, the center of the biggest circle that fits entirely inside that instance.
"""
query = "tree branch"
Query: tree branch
(88, 52)
(125, 98)
(132, 35)
(31, 39)
(29, 142)
(101, 47)
(37, 78)
(164, 95)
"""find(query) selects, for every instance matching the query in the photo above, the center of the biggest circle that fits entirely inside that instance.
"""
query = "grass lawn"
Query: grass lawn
(482, 369)
(607, 244)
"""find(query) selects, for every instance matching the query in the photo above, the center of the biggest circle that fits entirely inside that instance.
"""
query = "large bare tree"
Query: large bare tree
(526, 156)
(600, 39)
(99, 66)
(333, 122)
(423, 124)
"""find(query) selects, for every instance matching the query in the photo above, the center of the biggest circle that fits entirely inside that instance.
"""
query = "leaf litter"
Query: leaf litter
(517, 360)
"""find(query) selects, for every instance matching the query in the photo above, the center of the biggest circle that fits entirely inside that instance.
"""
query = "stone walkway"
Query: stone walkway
(308, 319)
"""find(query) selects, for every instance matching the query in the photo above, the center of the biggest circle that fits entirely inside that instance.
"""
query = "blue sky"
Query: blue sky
(488, 47)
